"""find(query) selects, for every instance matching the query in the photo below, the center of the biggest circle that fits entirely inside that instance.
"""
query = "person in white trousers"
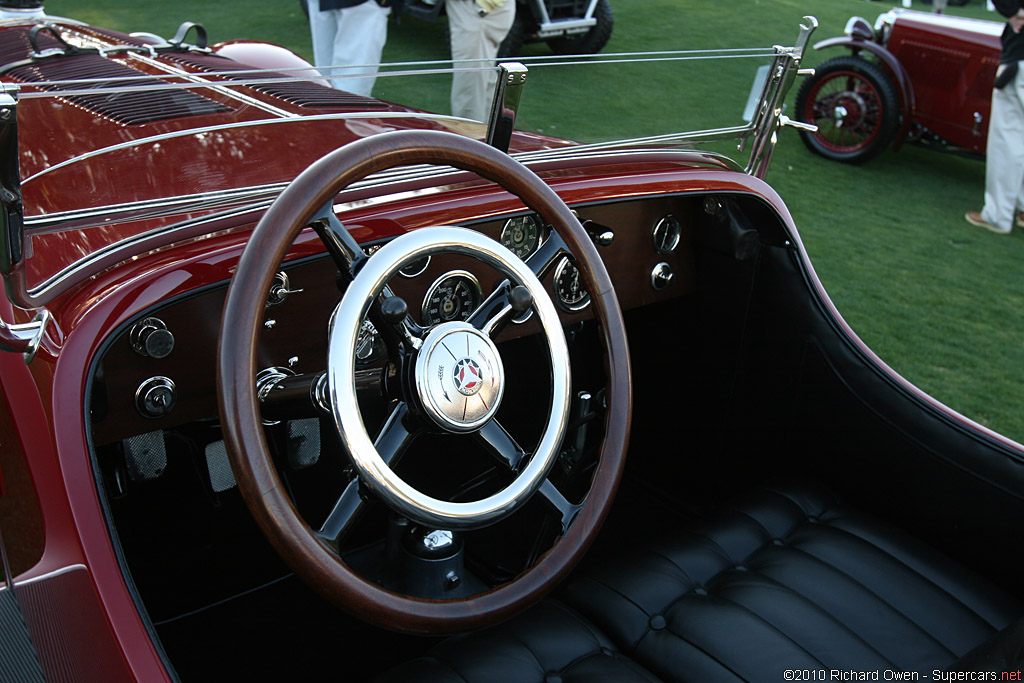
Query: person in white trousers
(477, 28)
(348, 33)
(1004, 153)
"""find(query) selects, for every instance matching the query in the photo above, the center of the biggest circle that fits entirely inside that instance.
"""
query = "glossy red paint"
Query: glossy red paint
(53, 426)
(943, 68)
(952, 64)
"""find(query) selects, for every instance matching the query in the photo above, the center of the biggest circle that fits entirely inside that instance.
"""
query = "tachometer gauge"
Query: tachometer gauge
(522, 235)
(453, 296)
(570, 294)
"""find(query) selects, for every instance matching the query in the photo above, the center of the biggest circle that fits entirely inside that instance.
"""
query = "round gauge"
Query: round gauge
(570, 294)
(667, 232)
(369, 345)
(453, 296)
(522, 235)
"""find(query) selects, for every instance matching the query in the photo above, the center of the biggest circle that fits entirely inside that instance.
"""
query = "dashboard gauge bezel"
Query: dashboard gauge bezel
(560, 271)
(478, 293)
(537, 223)
(405, 271)
(675, 234)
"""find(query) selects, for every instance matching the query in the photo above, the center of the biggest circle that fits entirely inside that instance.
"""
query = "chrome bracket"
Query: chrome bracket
(509, 90)
(768, 116)
(25, 338)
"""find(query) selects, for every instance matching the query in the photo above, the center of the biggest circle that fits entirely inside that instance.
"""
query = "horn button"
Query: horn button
(459, 377)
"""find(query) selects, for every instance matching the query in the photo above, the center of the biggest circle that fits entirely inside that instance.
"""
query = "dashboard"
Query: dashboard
(159, 371)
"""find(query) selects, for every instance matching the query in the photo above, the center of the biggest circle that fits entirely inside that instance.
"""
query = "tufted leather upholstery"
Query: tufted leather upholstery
(549, 643)
(789, 579)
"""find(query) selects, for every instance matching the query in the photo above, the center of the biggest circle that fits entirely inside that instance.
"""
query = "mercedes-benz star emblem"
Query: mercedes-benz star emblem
(468, 376)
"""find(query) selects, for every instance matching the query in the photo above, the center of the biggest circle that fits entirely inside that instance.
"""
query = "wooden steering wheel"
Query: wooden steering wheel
(432, 359)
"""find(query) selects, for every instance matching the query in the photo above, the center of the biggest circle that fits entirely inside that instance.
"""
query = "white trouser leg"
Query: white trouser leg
(476, 37)
(351, 36)
(1004, 163)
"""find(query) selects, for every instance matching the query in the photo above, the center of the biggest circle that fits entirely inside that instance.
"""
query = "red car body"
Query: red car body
(928, 79)
(129, 552)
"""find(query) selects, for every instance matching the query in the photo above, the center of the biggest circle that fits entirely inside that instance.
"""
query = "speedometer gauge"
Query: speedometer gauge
(522, 235)
(570, 294)
(453, 296)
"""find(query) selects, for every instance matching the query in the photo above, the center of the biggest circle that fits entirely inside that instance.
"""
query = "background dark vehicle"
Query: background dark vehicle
(914, 76)
(568, 26)
(218, 298)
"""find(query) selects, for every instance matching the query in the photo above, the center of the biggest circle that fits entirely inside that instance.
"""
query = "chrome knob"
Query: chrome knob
(150, 337)
(156, 397)
(662, 276)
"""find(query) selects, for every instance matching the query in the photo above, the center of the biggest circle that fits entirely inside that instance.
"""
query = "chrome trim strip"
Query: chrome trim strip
(215, 85)
(50, 575)
(241, 124)
(262, 195)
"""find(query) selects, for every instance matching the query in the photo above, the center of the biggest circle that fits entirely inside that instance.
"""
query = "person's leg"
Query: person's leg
(359, 40)
(323, 27)
(476, 37)
(1004, 164)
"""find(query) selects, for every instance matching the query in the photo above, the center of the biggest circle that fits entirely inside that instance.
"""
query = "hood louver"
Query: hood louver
(299, 93)
(128, 108)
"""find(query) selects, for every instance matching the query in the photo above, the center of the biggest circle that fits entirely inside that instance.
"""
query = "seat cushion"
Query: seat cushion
(550, 643)
(789, 579)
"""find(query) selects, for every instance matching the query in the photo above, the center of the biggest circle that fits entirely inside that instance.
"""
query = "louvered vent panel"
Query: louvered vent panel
(128, 108)
(300, 93)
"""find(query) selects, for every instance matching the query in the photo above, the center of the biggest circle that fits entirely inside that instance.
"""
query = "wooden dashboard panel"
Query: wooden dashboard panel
(295, 332)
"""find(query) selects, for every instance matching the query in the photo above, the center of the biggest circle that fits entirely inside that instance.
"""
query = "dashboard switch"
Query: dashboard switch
(156, 397)
(151, 338)
(662, 276)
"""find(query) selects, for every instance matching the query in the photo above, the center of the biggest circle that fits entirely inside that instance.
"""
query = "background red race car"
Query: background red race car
(914, 76)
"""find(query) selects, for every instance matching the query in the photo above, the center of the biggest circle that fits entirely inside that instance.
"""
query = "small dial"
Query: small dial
(453, 296)
(666, 233)
(522, 235)
(570, 293)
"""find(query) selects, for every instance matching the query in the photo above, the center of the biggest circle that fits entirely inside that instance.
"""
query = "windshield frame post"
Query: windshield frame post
(508, 92)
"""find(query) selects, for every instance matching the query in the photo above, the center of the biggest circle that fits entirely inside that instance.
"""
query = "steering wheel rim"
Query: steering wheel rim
(241, 422)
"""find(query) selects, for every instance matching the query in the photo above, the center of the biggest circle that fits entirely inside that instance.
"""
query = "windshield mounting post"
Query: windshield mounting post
(507, 93)
(768, 116)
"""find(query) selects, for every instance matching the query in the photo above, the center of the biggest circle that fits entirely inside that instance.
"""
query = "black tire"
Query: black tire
(522, 28)
(591, 42)
(855, 105)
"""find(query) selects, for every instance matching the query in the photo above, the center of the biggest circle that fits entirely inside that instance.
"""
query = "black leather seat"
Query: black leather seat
(789, 579)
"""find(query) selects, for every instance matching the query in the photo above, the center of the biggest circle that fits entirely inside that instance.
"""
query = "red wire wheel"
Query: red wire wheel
(855, 106)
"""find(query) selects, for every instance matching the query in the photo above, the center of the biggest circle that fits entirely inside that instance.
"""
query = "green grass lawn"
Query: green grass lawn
(941, 301)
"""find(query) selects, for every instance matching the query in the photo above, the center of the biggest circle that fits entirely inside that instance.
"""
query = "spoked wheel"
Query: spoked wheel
(855, 106)
(448, 381)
